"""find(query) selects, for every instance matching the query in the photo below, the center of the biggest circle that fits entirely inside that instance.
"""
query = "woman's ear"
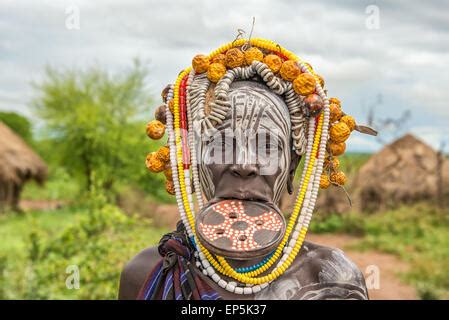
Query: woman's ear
(295, 159)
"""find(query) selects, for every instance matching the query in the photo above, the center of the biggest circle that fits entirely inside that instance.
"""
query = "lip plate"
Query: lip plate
(252, 208)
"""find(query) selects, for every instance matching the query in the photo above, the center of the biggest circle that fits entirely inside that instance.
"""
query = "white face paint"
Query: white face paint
(256, 131)
(319, 273)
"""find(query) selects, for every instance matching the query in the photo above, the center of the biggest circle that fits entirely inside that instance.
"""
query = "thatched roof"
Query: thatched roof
(404, 171)
(18, 162)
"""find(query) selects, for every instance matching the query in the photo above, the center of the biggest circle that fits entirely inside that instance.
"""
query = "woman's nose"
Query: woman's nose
(244, 170)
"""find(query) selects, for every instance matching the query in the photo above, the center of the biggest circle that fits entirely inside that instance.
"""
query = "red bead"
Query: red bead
(281, 55)
(183, 122)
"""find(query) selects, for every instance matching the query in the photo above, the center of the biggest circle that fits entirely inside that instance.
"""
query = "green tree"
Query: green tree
(19, 124)
(94, 120)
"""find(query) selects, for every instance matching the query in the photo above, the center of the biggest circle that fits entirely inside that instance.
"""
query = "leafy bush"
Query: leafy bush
(19, 124)
(336, 223)
(100, 241)
(59, 186)
(93, 124)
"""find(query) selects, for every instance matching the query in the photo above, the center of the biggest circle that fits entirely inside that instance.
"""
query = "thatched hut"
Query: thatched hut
(18, 164)
(404, 171)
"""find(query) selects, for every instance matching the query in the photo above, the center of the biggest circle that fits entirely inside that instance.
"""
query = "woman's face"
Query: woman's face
(249, 155)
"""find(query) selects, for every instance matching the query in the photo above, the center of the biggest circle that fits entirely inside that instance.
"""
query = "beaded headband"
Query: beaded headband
(319, 131)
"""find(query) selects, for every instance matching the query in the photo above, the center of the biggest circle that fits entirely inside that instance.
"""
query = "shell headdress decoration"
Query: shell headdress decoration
(319, 132)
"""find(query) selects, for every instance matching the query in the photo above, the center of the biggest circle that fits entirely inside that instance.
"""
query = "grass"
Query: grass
(351, 162)
(13, 226)
(59, 186)
(417, 234)
(37, 248)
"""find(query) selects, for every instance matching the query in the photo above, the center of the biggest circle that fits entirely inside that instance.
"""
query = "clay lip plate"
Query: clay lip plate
(240, 229)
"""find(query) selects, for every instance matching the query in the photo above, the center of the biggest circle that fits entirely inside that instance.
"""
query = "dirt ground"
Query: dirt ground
(40, 204)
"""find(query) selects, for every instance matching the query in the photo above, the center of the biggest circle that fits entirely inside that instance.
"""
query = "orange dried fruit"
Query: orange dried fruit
(274, 62)
(336, 149)
(336, 101)
(339, 132)
(155, 129)
(338, 177)
(163, 154)
(324, 181)
(304, 84)
(253, 54)
(289, 70)
(215, 72)
(200, 63)
(332, 163)
(171, 105)
(170, 187)
(153, 163)
(234, 58)
(349, 121)
(335, 112)
(219, 58)
(168, 173)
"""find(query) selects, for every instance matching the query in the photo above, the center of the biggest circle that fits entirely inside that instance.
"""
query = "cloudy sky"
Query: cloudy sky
(393, 64)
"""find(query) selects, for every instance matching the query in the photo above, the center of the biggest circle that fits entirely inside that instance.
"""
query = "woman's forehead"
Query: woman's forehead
(254, 106)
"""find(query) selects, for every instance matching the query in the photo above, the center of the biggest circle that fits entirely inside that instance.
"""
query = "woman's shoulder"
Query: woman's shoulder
(318, 272)
(136, 271)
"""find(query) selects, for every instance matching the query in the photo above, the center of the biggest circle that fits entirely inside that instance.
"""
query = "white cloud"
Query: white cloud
(405, 60)
(435, 137)
(358, 142)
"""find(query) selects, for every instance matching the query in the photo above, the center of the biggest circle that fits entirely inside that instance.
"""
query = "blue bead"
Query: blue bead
(256, 266)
